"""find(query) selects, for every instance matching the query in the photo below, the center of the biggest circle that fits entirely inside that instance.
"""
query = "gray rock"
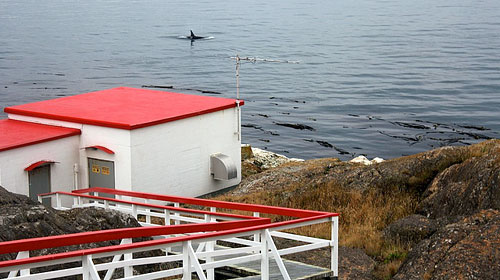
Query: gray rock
(246, 152)
(448, 184)
(465, 188)
(413, 173)
(92, 219)
(468, 249)
(22, 218)
(410, 230)
(355, 264)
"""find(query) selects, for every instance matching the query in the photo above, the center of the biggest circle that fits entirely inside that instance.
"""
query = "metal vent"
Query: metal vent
(222, 167)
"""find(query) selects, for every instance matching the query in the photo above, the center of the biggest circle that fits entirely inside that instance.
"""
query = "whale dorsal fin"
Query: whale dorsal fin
(192, 34)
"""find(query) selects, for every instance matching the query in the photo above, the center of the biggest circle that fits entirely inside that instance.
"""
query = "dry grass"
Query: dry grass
(387, 270)
(363, 216)
(390, 259)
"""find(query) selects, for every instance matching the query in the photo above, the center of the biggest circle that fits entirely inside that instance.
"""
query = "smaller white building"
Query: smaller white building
(124, 138)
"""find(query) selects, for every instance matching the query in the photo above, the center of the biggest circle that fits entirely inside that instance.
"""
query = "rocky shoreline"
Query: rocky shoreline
(433, 215)
(443, 220)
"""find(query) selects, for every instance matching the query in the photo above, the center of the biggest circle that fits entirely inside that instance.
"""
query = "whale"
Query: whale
(194, 37)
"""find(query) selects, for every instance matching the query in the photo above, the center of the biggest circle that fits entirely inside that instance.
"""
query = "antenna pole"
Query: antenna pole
(237, 77)
(238, 62)
(238, 96)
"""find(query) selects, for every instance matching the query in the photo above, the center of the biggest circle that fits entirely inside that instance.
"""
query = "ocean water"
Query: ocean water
(375, 78)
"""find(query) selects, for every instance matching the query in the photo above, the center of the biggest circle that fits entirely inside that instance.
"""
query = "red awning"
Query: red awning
(104, 149)
(38, 163)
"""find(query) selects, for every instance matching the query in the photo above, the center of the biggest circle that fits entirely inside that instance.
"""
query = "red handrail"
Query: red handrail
(194, 211)
(151, 243)
(114, 234)
(282, 211)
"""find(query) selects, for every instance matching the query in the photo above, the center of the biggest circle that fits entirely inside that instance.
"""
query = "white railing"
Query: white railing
(191, 240)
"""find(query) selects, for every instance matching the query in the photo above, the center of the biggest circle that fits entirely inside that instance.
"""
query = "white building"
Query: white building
(123, 138)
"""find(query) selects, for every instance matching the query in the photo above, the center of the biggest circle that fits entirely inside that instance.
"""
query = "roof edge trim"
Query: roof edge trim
(102, 148)
(22, 112)
(38, 163)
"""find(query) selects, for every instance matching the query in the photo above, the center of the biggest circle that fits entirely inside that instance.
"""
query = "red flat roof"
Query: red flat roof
(124, 108)
(16, 134)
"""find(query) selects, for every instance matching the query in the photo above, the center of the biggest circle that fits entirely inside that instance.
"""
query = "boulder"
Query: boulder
(365, 161)
(249, 168)
(246, 152)
(282, 176)
(410, 230)
(465, 188)
(255, 160)
(355, 264)
(468, 249)
(8, 199)
(22, 218)
(92, 219)
(414, 172)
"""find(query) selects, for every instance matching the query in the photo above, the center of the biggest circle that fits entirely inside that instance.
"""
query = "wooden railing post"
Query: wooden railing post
(176, 214)
(148, 217)
(264, 261)
(334, 246)
(58, 201)
(167, 216)
(89, 270)
(210, 245)
(128, 270)
(134, 211)
(186, 261)
(256, 237)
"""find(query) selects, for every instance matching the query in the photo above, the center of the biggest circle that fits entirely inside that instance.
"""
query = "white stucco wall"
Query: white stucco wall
(117, 140)
(63, 151)
(171, 158)
(174, 158)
